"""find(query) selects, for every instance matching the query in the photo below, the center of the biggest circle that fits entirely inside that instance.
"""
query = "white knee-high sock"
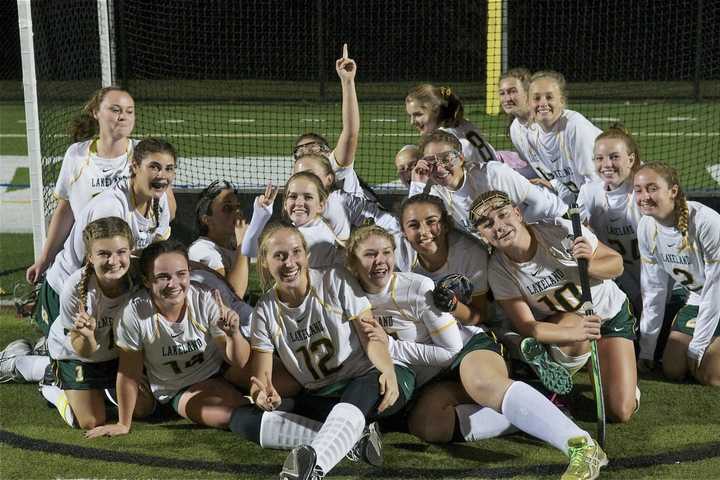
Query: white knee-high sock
(478, 423)
(284, 430)
(532, 413)
(32, 367)
(343, 427)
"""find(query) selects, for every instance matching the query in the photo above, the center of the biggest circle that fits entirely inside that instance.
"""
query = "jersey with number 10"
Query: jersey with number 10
(550, 281)
(316, 341)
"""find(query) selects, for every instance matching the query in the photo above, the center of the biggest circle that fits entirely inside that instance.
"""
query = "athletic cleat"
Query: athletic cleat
(554, 376)
(369, 448)
(301, 464)
(585, 460)
(14, 349)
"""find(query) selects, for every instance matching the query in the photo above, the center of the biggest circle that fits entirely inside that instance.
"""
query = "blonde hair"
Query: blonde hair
(680, 211)
(266, 278)
(557, 77)
(312, 178)
(440, 101)
(361, 234)
(100, 229)
(85, 126)
(617, 131)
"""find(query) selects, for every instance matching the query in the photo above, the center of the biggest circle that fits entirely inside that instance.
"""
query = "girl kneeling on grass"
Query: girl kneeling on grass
(423, 336)
(679, 239)
(535, 279)
(186, 340)
(81, 340)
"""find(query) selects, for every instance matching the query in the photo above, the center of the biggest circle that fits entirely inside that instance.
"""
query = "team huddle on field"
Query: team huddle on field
(426, 319)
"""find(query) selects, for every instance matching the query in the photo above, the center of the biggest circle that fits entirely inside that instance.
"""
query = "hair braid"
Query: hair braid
(82, 287)
(156, 211)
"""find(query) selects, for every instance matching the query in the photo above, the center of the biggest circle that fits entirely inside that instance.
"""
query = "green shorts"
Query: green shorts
(621, 325)
(77, 375)
(49, 307)
(405, 379)
(684, 321)
(175, 400)
(480, 341)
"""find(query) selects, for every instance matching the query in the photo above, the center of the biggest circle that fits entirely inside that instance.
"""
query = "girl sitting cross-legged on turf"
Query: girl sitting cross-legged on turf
(185, 340)
(559, 142)
(303, 204)
(535, 278)
(310, 321)
(679, 239)
(422, 336)
(101, 156)
(141, 201)
(458, 183)
(81, 340)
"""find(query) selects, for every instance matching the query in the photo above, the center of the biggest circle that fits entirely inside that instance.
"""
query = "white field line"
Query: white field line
(681, 119)
(390, 120)
(241, 120)
(171, 120)
(605, 119)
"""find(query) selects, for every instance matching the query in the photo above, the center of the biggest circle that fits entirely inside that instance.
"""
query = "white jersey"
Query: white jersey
(207, 252)
(360, 207)
(696, 268)
(114, 202)
(336, 215)
(84, 174)
(564, 155)
(550, 281)
(466, 256)
(104, 309)
(213, 281)
(176, 354)
(614, 216)
(406, 311)
(475, 148)
(536, 203)
(316, 341)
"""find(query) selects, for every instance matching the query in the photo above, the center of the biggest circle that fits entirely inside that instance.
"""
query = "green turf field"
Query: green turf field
(674, 435)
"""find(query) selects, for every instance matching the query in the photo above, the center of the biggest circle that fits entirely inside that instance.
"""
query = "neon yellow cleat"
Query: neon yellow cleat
(585, 460)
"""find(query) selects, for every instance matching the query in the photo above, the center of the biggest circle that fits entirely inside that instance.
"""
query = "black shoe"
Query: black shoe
(369, 448)
(301, 464)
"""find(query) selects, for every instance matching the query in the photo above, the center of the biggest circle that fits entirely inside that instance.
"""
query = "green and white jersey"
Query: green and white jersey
(475, 148)
(316, 341)
(535, 202)
(114, 202)
(614, 216)
(420, 334)
(213, 281)
(564, 155)
(84, 174)
(106, 311)
(176, 354)
(466, 256)
(209, 253)
(550, 281)
(696, 268)
(361, 209)
(324, 247)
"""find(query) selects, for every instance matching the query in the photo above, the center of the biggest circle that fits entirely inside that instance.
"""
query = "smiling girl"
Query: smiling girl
(81, 341)
(141, 201)
(184, 338)
(458, 183)
(559, 144)
(679, 240)
(535, 279)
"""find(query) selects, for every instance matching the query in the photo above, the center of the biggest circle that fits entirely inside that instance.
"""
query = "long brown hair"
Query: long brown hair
(617, 131)
(84, 126)
(441, 101)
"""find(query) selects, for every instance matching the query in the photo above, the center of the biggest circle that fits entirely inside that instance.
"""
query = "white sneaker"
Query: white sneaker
(14, 349)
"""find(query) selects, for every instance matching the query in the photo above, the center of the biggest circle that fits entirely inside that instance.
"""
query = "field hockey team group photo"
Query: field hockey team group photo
(464, 312)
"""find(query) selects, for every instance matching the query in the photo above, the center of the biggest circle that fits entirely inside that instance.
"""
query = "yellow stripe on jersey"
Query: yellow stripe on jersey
(260, 350)
(393, 297)
(191, 316)
(58, 197)
(368, 309)
(647, 261)
(444, 327)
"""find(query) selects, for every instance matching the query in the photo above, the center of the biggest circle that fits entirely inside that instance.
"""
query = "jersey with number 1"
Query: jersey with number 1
(614, 215)
(316, 341)
(104, 309)
(550, 281)
(564, 155)
(696, 268)
(176, 354)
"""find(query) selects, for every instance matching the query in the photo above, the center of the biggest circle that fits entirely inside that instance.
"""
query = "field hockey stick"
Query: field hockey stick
(587, 308)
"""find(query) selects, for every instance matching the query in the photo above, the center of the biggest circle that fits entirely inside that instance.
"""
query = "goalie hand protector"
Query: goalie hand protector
(450, 290)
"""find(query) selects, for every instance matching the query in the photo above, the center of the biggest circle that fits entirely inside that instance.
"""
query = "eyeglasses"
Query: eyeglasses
(311, 148)
(448, 159)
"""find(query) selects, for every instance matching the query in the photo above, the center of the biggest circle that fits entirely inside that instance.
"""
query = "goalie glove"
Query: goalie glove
(450, 290)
